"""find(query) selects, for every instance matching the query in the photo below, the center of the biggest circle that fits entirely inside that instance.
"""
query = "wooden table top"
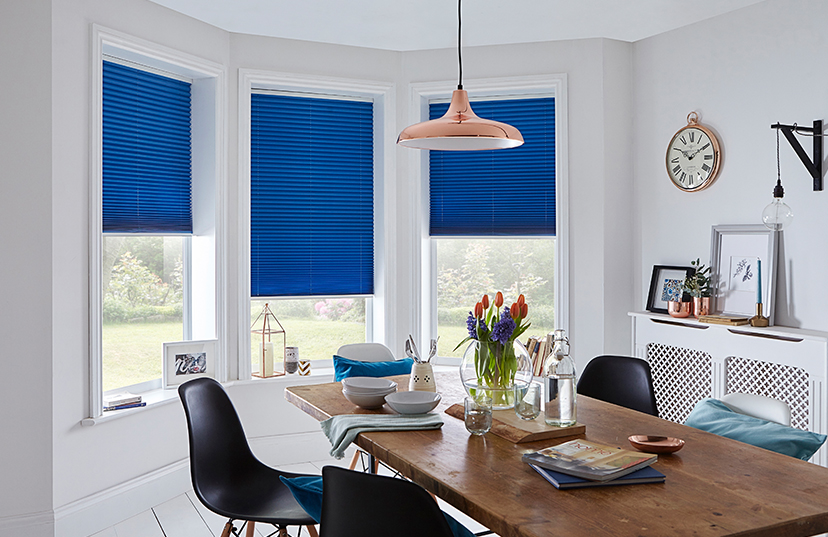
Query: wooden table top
(714, 487)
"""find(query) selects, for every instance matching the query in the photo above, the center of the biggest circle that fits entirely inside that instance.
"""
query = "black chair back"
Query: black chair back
(620, 380)
(397, 507)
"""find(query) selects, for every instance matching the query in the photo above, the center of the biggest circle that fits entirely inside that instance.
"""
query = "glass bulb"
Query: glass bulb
(777, 215)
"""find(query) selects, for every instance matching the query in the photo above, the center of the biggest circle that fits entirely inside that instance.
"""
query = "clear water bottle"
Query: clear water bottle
(559, 384)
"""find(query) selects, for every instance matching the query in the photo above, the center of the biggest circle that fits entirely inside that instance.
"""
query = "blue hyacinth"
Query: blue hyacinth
(502, 330)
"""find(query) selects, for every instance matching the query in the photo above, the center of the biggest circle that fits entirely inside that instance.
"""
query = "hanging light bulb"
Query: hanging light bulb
(777, 215)
(460, 129)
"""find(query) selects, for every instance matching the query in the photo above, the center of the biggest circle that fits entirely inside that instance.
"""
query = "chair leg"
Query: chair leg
(251, 528)
(354, 460)
(312, 531)
(227, 529)
(283, 532)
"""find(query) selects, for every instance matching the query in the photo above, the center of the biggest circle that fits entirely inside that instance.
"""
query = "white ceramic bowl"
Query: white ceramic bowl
(368, 385)
(368, 401)
(413, 402)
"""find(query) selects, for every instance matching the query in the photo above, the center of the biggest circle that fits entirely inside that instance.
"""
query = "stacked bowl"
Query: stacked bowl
(367, 392)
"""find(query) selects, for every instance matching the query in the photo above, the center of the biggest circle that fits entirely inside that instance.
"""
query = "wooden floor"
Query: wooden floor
(184, 516)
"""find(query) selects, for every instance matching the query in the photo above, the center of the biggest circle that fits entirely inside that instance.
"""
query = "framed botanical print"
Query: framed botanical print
(743, 269)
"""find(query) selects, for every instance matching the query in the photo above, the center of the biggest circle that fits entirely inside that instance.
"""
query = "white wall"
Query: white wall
(742, 72)
(26, 319)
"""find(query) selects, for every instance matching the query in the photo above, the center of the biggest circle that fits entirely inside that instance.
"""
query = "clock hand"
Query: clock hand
(682, 152)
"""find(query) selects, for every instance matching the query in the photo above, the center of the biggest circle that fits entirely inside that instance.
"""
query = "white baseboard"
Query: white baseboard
(40, 524)
(106, 508)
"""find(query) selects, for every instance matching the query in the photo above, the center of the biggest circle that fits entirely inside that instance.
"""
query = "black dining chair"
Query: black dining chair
(620, 380)
(227, 478)
(398, 507)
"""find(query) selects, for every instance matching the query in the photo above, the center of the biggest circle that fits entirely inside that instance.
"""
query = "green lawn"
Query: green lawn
(133, 352)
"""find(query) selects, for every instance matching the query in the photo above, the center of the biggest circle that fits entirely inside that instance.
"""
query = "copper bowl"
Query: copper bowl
(680, 309)
(656, 444)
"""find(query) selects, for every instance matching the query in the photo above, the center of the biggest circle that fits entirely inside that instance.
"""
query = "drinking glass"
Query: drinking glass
(478, 415)
(527, 401)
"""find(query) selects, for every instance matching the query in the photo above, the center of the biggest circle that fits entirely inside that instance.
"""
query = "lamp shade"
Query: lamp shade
(460, 129)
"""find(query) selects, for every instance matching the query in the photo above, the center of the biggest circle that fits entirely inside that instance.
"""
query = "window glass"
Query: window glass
(143, 305)
(318, 326)
(469, 267)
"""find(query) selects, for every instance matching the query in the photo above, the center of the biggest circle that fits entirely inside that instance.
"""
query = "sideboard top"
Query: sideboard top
(772, 331)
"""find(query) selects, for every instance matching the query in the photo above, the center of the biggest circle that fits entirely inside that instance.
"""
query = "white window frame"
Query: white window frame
(382, 95)
(421, 95)
(209, 194)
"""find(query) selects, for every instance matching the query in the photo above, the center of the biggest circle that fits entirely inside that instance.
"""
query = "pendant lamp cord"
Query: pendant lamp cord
(459, 52)
(778, 191)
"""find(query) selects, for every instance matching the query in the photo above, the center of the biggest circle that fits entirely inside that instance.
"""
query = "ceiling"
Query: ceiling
(404, 25)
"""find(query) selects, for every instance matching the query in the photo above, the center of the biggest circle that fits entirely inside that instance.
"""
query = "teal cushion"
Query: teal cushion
(307, 490)
(713, 416)
(345, 368)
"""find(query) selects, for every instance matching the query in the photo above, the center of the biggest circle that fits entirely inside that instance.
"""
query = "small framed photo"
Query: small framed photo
(187, 360)
(666, 284)
(743, 269)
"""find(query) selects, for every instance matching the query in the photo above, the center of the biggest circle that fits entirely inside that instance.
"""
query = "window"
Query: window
(312, 217)
(493, 221)
(147, 192)
(155, 225)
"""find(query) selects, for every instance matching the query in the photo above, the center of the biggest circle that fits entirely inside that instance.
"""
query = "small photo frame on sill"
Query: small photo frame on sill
(735, 273)
(666, 284)
(187, 360)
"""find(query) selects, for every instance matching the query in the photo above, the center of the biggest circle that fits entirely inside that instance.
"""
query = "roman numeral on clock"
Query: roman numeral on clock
(708, 157)
(692, 136)
(675, 160)
(676, 170)
(705, 167)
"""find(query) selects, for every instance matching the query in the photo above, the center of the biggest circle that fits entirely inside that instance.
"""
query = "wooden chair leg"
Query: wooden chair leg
(283, 532)
(312, 531)
(227, 529)
(251, 528)
(354, 460)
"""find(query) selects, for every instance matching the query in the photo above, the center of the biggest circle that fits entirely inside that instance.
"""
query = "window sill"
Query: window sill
(161, 397)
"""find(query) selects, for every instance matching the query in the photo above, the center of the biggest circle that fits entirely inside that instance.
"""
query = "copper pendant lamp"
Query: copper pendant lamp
(460, 129)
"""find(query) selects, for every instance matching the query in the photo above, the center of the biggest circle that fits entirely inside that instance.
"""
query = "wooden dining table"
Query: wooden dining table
(714, 486)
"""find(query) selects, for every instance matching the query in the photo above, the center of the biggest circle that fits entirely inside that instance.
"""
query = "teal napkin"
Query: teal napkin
(342, 430)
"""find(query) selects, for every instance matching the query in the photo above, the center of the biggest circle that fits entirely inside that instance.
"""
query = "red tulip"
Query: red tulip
(498, 301)
(521, 300)
(514, 311)
(485, 302)
(524, 310)
(478, 310)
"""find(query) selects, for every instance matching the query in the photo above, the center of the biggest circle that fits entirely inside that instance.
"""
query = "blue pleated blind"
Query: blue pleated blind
(311, 196)
(146, 152)
(498, 192)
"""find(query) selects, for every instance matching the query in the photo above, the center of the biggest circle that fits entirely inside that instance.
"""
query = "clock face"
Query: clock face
(693, 158)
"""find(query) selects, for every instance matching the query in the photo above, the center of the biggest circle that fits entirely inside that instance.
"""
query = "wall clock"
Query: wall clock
(693, 156)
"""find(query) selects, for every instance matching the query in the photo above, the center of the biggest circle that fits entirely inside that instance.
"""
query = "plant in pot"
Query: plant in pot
(697, 285)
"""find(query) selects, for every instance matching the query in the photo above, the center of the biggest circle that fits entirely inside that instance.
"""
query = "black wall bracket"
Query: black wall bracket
(814, 167)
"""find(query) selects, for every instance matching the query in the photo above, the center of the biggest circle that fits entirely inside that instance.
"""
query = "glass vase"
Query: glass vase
(491, 369)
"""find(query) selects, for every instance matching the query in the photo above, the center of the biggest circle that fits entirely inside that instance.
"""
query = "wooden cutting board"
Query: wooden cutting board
(506, 424)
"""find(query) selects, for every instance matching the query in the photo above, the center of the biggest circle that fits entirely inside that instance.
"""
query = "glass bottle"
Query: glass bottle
(559, 384)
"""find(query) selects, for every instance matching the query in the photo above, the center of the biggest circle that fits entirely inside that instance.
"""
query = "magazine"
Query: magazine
(590, 460)
(562, 481)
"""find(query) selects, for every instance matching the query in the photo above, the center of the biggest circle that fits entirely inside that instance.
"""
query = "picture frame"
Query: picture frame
(665, 285)
(734, 278)
(187, 360)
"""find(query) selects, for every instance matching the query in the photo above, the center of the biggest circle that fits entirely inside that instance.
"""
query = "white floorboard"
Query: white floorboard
(141, 525)
(179, 517)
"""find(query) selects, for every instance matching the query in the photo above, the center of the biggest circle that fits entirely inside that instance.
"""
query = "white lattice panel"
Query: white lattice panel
(681, 378)
(779, 381)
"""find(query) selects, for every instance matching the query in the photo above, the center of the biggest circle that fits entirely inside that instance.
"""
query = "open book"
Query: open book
(590, 460)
